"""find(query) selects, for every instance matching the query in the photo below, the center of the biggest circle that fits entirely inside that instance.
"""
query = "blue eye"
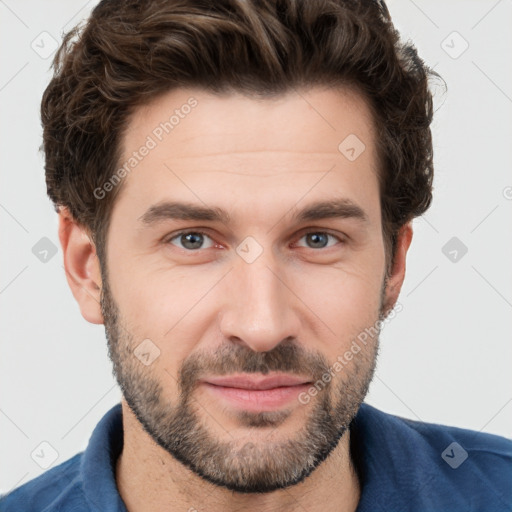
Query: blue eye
(318, 239)
(195, 240)
(191, 240)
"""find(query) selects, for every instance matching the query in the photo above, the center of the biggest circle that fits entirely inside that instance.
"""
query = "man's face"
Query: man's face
(259, 292)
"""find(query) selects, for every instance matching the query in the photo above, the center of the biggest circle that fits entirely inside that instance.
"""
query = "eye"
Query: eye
(195, 240)
(319, 239)
(190, 240)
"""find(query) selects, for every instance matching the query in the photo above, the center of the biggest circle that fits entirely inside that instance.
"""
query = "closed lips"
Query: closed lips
(255, 383)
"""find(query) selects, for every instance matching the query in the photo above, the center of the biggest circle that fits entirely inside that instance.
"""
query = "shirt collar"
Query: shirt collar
(99, 462)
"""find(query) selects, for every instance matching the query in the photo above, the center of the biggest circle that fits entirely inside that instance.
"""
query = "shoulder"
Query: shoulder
(58, 488)
(433, 435)
(83, 483)
(435, 466)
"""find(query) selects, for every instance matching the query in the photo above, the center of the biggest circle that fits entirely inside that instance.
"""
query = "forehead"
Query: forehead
(206, 147)
(315, 119)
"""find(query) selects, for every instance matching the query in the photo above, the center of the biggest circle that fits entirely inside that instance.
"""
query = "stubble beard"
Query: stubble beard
(261, 465)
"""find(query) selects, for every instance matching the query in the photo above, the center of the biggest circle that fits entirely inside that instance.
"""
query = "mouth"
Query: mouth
(256, 393)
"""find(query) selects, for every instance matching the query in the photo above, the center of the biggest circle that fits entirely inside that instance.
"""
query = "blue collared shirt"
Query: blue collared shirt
(403, 465)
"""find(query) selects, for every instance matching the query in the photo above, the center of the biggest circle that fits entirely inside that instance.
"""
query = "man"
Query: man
(235, 183)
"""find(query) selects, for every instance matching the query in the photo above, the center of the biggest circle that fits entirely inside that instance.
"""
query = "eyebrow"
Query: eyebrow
(169, 210)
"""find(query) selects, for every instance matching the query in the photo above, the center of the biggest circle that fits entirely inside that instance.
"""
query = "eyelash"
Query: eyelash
(168, 240)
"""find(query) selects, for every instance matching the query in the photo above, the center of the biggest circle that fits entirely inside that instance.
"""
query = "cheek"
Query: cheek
(160, 298)
(171, 308)
(344, 300)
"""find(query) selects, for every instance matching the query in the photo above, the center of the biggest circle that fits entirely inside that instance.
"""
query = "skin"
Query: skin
(261, 161)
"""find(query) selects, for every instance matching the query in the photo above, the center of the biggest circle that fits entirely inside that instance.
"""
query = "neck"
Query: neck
(148, 478)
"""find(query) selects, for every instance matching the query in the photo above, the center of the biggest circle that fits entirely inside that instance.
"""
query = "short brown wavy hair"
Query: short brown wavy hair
(130, 51)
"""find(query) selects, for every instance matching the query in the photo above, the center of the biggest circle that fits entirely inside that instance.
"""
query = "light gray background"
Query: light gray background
(445, 358)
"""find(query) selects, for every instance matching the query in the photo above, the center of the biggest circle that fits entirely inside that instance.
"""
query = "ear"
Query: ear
(82, 266)
(397, 275)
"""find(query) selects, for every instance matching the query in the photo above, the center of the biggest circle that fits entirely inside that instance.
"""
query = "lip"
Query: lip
(256, 382)
(252, 393)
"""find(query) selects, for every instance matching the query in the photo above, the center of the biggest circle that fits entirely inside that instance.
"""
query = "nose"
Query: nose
(260, 309)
